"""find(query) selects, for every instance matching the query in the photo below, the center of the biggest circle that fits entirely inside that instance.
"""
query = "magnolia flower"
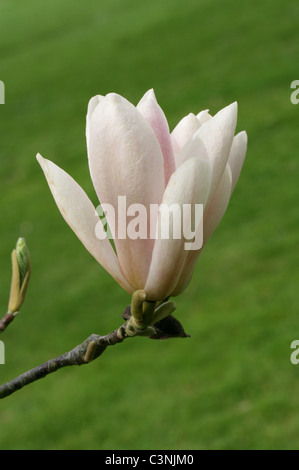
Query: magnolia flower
(132, 153)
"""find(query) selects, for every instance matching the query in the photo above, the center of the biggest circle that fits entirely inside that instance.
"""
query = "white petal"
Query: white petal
(193, 148)
(93, 102)
(217, 136)
(186, 128)
(212, 217)
(189, 184)
(184, 131)
(125, 159)
(203, 116)
(218, 205)
(237, 156)
(79, 212)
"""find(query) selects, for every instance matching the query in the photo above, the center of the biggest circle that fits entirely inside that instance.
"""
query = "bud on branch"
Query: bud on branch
(21, 269)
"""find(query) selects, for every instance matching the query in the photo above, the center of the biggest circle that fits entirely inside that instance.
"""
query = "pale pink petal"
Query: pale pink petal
(184, 131)
(217, 136)
(125, 159)
(189, 184)
(80, 214)
(152, 112)
(212, 217)
(237, 156)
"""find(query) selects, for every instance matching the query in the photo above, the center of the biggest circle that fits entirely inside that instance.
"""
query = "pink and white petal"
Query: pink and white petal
(184, 131)
(93, 102)
(189, 184)
(153, 113)
(217, 136)
(125, 159)
(237, 156)
(212, 217)
(80, 214)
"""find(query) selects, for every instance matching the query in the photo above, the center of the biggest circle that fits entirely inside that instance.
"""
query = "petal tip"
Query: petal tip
(114, 98)
(233, 107)
(228, 114)
(244, 136)
(41, 160)
(150, 94)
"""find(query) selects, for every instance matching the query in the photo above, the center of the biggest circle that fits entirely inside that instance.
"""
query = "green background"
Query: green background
(231, 385)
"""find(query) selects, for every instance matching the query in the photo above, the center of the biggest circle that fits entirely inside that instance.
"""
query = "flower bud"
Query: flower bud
(163, 311)
(21, 269)
(23, 257)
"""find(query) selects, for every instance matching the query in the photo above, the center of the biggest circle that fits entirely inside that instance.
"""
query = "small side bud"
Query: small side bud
(163, 311)
(23, 257)
(21, 269)
(90, 352)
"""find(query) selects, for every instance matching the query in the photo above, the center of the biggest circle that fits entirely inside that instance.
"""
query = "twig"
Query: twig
(143, 318)
(84, 353)
(94, 346)
(6, 320)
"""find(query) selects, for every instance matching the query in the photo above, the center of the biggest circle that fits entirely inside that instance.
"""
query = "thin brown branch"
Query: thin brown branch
(6, 320)
(94, 346)
(84, 353)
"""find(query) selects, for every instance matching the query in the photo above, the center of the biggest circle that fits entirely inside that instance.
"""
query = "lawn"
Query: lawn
(231, 385)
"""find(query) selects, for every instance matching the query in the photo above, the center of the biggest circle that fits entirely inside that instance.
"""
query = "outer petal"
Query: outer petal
(212, 217)
(125, 159)
(237, 156)
(80, 214)
(152, 112)
(217, 136)
(189, 184)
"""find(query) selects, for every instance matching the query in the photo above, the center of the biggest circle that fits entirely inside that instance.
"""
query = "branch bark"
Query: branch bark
(84, 353)
(151, 319)
(93, 347)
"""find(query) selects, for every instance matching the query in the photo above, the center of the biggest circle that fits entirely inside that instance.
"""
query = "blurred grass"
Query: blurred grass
(231, 386)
